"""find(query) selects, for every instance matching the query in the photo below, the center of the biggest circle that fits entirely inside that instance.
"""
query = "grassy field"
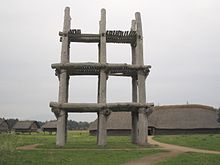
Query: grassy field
(68, 157)
(192, 159)
(50, 154)
(82, 149)
(82, 139)
(202, 141)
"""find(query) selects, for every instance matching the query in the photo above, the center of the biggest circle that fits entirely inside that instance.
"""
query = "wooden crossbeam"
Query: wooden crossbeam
(98, 65)
(94, 68)
(112, 36)
(96, 107)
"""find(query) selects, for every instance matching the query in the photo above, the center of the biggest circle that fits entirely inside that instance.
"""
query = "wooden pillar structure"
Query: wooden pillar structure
(141, 76)
(102, 117)
(137, 71)
(134, 114)
(139, 118)
(61, 135)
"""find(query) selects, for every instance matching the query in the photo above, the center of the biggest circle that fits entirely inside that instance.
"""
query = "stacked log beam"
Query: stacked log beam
(94, 107)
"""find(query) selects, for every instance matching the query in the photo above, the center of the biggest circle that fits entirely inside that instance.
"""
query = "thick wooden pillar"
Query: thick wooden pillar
(63, 84)
(142, 116)
(102, 117)
(134, 115)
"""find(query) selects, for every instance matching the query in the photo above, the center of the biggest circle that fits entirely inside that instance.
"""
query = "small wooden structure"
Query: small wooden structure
(26, 126)
(49, 126)
(136, 70)
(4, 127)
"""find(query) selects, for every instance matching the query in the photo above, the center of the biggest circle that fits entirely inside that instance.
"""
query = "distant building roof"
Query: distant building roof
(189, 116)
(25, 124)
(1, 120)
(50, 124)
(3, 125)
(117, 120)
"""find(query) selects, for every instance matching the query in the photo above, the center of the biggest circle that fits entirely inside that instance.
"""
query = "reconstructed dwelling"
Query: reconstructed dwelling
(49, 126)
(26, 126)
(3, 125)
(170, 119)
(137, 71)
(175, 119)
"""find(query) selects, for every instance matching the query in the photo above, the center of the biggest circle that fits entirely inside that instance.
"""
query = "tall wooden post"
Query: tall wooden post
(102, 117)
(134, 115)
(63, 84)
(142, 116)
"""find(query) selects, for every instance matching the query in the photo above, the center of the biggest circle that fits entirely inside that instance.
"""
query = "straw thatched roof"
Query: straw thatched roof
(117, 120)
(184, 117)
(25, 124)
(190, 116)
(50, 125)
(1, 121)
(3, 125)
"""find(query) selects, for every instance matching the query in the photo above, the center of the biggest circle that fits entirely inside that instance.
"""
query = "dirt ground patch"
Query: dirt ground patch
(149, 160)
(28, 147)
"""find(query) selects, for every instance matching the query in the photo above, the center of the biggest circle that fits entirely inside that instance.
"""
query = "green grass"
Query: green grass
(202, 141)
(83, 140)
(11, 141)
(50, 154)
(68, 157)
(192, 159)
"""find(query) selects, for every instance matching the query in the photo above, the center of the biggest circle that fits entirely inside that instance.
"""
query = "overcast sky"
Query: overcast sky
(181, 42)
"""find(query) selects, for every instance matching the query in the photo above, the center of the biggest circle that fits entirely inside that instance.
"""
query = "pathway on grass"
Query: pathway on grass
(28, 147)
(173, 150)
(152, 159)
(173, 147)
(34, 147)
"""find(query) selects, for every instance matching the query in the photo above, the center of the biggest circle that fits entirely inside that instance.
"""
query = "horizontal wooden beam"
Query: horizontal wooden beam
(96, 107)
(95, 68)
(95, 38)
(92, 65)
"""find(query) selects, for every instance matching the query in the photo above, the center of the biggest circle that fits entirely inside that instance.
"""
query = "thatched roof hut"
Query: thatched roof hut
(26, 126)
(170, 119)
(119, 123)
(3, 125)
(50, 126)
